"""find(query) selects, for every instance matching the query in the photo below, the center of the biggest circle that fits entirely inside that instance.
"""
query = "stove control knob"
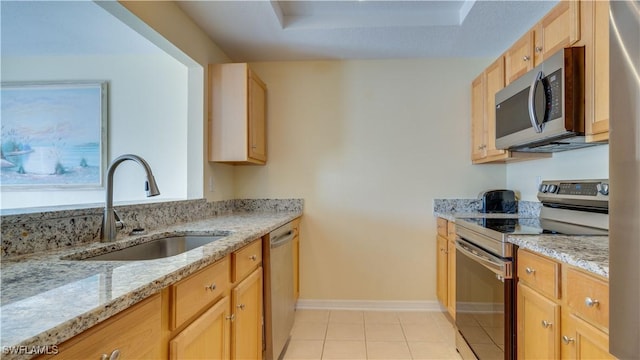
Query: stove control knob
(543, 188)
(552, 188)
(603, 188)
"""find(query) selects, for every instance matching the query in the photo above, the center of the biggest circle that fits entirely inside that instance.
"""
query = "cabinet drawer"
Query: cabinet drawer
(539, 273)
(588, 297)
(246, 260)
(135, 333)
(442, 227)
(197, 291)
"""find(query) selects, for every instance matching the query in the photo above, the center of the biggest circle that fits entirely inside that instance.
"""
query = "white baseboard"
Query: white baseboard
(370, 305)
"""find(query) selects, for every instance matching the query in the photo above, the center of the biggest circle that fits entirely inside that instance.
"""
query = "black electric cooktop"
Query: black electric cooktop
(530, 226)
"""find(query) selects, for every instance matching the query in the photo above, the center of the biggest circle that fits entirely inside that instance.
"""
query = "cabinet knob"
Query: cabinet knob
(546, 324)
(591, 302)
(538, 49)
(115, 355)
(211, 287)
(526, 58)
(530, 271)
(253, 258)
(241, 306)
(567, 340)
(231, 317)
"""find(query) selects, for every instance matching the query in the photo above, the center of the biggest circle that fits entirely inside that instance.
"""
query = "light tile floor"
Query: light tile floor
(361, 335)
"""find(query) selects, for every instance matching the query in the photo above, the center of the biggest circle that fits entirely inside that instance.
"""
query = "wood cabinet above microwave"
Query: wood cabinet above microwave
(237, 115)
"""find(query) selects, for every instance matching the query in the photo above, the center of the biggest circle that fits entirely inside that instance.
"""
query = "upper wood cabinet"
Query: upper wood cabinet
(595, 30)
(519, 57)
(558, 29)
(237, 115)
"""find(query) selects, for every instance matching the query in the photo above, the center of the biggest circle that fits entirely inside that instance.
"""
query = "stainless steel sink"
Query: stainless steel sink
(159, 248)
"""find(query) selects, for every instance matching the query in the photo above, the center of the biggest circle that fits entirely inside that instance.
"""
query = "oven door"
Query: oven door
(485, 303)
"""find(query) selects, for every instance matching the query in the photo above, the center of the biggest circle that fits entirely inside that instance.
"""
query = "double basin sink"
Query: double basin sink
(155, 249)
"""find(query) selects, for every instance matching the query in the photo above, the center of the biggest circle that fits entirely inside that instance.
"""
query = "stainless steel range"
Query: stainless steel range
(485, 262)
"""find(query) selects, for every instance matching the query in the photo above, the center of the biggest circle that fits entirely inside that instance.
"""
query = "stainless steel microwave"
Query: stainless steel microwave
(543, 111)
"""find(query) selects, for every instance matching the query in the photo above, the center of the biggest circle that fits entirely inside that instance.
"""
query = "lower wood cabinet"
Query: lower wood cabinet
(230, 327)
(246, 324)
(207, 337)
(446, 265)
(581, 340)
(567, 321)
(538, 325)
(134, 333)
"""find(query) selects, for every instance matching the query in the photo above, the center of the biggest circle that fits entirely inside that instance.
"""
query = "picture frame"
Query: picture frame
(54, 135)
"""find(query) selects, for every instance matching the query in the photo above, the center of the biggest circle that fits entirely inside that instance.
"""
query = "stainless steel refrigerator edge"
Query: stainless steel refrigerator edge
(624, 174)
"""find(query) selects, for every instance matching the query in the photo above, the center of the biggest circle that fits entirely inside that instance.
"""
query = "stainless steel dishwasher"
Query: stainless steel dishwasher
(278, 290)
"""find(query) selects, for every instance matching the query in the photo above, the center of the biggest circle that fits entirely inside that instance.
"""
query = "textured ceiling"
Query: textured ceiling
(284, 30)
(304, 30)
(36, 28)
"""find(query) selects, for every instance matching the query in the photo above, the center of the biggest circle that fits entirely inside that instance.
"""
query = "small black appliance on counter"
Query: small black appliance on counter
(499, 201)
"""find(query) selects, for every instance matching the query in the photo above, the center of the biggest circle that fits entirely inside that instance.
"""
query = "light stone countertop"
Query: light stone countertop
(47, 300)
(590, 253)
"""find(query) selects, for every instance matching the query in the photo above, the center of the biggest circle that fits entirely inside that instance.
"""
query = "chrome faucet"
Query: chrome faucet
(111, 221)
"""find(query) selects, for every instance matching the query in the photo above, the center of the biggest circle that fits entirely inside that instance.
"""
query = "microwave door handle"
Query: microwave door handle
(532, 110)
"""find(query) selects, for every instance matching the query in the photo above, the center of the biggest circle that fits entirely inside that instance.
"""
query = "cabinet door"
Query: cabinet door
(598, 124)
(538, 325)
(257, 124)
(451, 277)
(296, 259)
(519, 59)
(583, 341)
(205, 338)
(558, 29)
(246, 328)
(134, 334)
(442, 270)
(494, 82)
(477, 118)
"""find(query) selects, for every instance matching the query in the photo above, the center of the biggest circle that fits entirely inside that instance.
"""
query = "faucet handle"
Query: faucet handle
(119, 223)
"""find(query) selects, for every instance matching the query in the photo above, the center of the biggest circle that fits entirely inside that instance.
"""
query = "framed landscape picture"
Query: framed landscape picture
(53, 135)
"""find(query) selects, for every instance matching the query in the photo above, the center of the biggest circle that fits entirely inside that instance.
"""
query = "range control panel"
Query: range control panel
(587, 188)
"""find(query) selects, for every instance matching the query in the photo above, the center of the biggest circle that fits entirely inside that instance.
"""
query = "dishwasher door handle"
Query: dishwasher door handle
(281, 239)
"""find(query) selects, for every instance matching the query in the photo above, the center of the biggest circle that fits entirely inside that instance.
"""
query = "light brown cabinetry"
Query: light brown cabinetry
(519, 57)
(246, 327)
(569, 23)
(237, 115)
(446, 265)
(223, 316)
(563, 312)
(595, 30)
(538, 325)
(207, 337)
(483, 115)
(296, 258)
(558, 29)
(133, 334)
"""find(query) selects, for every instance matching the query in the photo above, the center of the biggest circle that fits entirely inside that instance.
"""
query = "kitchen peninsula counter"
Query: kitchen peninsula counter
(48, 297)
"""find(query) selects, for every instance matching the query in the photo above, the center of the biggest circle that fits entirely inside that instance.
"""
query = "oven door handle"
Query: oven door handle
(495, 264)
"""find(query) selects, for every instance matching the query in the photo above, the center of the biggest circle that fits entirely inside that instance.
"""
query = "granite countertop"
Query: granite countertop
(47, 300)
(590, 253)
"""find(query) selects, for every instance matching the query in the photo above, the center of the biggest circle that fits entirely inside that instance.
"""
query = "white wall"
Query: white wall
(588, 163)
(147, 116)
(368, 145)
